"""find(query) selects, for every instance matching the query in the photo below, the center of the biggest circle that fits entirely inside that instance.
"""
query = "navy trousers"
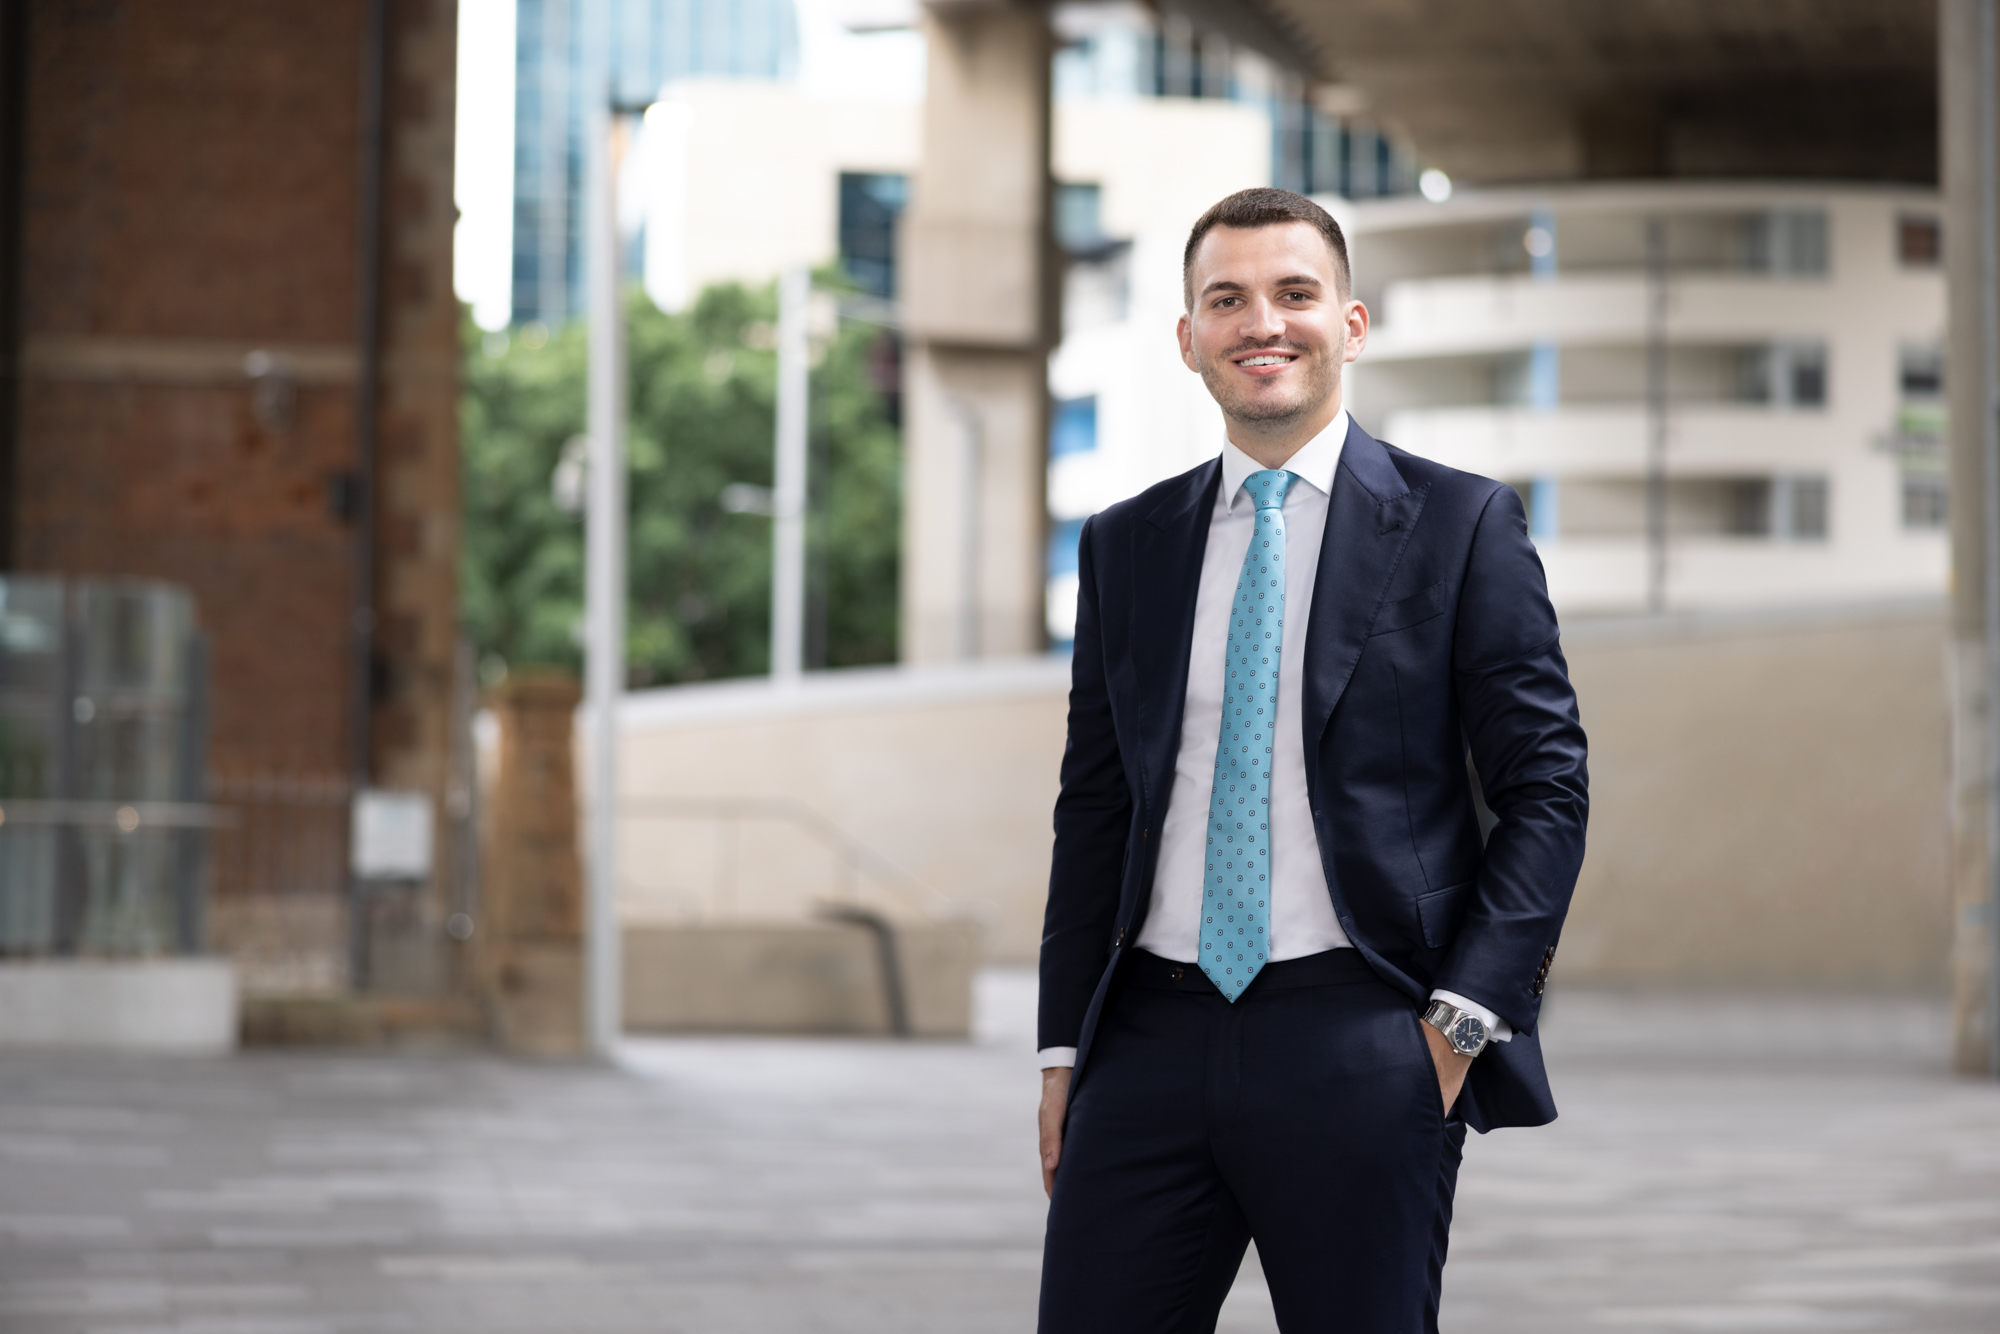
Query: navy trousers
(1305, 1115)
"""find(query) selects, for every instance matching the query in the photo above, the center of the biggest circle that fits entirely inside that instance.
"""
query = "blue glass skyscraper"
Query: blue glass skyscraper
(651, 43)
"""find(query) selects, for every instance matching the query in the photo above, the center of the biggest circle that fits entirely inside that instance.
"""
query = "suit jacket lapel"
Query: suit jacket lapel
(1167, 550)
(1369, 518)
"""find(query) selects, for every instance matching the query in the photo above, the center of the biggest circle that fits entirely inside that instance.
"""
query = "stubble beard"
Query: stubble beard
(1317, 386)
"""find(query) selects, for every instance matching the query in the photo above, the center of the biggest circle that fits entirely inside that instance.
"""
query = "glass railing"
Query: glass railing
(102, 732)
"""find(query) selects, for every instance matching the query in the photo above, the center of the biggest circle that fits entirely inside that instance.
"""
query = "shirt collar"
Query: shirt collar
(1314, 464)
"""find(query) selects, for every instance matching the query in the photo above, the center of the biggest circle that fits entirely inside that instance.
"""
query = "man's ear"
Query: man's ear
(1356, 340)
(1185, 333)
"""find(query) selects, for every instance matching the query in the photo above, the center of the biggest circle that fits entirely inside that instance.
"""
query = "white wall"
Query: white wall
(1750, 827)
(947, 774)
(763, 173)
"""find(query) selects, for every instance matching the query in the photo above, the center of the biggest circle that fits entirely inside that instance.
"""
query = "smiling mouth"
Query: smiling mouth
(1266, 359)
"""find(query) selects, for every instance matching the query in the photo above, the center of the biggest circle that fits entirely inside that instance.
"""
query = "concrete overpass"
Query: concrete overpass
(1540, 90)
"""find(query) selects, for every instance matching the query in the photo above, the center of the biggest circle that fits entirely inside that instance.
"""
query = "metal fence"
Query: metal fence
(278, 888)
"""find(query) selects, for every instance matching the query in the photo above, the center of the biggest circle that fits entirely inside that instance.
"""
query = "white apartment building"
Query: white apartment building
(1771, 354)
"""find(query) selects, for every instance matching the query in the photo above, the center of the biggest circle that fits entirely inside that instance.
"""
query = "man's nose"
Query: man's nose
(1263, 319)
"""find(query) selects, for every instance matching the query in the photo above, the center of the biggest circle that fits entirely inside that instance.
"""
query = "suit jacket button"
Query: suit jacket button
(1178, 973)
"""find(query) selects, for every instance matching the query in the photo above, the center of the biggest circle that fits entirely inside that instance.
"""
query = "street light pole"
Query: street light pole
(604, 573)
(788, 494)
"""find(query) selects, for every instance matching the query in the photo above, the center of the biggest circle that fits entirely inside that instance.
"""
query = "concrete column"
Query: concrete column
(1972, 946)
(979, 301)
(531, 921)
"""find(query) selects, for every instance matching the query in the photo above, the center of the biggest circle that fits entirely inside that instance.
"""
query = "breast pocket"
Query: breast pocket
(1412, 610)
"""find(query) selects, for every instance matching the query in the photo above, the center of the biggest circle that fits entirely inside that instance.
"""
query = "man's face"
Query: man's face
(1268, 331)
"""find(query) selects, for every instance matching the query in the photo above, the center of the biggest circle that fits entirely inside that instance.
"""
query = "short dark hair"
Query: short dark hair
(1265, 207)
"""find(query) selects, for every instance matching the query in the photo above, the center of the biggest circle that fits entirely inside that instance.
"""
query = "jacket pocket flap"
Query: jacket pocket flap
(1409, 611)
(1438, 913)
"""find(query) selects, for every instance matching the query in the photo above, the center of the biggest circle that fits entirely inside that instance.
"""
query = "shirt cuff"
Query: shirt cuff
(1495, 1025)
(1051, 1057)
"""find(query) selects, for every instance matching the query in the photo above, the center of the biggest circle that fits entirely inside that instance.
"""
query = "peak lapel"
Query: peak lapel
(1167, 549)
(1369, 519)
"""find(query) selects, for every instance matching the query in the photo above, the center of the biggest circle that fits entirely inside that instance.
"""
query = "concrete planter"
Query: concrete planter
(163, 1005)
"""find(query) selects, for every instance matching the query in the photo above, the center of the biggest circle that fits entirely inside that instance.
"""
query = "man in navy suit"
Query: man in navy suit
(1285, 961)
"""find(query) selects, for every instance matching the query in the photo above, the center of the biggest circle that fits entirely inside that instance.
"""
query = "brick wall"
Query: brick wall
(190, 195)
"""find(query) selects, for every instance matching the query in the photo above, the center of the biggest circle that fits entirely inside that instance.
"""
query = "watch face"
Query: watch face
(1468, 1034)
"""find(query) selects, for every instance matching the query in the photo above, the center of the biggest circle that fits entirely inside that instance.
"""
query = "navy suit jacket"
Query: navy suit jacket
(1431, 637)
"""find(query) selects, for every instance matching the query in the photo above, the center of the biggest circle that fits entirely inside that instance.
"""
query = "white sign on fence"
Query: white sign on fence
(391, 835)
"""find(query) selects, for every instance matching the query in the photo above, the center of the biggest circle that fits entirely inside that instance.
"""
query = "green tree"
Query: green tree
(703, 395)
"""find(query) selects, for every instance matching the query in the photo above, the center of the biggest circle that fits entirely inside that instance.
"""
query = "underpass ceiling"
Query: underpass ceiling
(1513, 90)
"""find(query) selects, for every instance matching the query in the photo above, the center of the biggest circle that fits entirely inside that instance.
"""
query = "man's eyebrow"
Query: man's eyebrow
(1290, 280)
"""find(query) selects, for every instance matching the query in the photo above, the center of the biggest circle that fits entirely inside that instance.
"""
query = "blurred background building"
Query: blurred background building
(1517, 335)
(652, 43)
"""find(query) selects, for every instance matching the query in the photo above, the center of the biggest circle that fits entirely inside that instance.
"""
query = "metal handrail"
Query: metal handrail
(129, 816)
(787, 810)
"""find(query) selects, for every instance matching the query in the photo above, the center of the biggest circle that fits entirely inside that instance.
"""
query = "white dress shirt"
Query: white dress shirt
(1302, 921)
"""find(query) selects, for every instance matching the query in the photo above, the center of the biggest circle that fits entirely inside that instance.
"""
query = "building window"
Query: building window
(1073, 427)
(1079, 217)
(1785, 241)
(1065, 537)
(1785, 375)
(1783, 508)
(1918, 438)
(871, 204)
(1798, 509)
(1919, 241)
(1749, 508)
(1804, 374)
(1920, 371)
(1059, 595)
(1545, 508)
(1924, 500)
(1920, 407)
(1096, 278)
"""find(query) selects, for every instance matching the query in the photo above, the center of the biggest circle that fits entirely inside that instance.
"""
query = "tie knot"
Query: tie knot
(1267, 487)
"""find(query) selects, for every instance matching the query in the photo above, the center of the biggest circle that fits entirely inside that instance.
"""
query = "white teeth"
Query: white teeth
(1263, 361)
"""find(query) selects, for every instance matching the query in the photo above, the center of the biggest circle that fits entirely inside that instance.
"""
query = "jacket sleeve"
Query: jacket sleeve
(1527, 742)
(1093, 820)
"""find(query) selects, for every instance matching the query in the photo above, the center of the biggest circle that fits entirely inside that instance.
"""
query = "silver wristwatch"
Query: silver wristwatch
(1466, 1032)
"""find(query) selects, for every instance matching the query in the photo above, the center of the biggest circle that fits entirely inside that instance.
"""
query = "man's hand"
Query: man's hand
(1451, 1068)
(1055, 1102)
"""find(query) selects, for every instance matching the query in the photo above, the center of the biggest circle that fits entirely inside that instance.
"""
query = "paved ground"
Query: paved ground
(731, 1187)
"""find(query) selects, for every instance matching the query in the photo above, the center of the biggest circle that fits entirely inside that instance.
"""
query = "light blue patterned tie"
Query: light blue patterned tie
(1235, 898)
